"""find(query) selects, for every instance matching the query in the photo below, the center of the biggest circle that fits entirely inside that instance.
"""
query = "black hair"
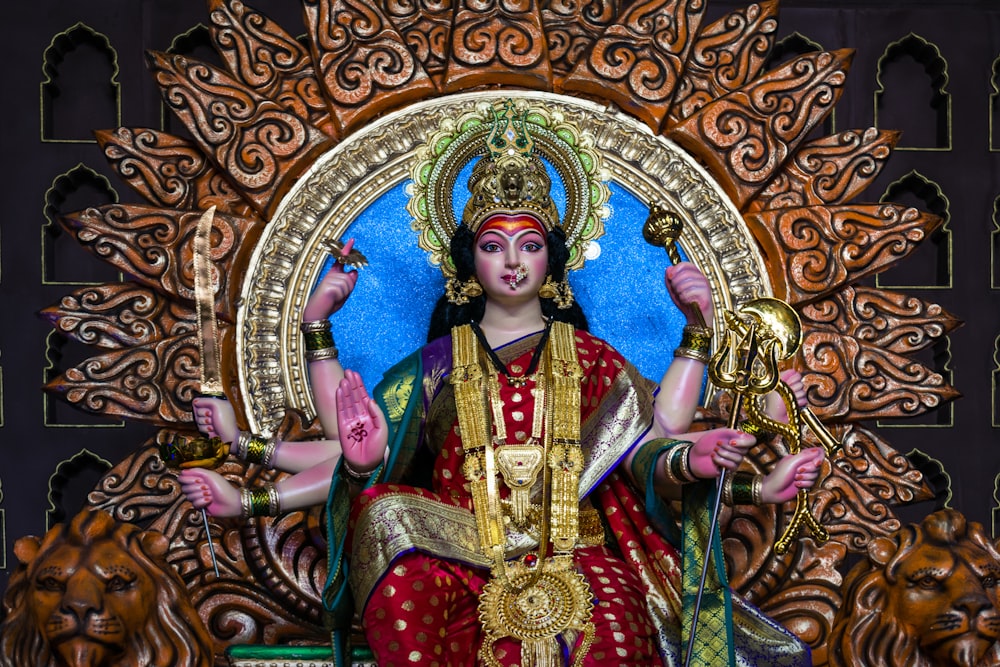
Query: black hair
(447, 315)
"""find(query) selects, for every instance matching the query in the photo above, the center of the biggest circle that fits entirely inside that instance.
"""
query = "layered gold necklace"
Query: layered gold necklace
(537, 598)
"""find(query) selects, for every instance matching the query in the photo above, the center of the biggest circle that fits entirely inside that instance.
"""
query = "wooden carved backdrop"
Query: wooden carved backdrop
(880, 355)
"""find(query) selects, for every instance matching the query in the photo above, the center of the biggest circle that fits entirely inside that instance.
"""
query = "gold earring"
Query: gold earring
(459, 293)
(560, 292)
(548, 289)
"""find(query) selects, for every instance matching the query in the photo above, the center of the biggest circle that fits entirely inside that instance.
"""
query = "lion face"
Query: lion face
(948, 597)
(926, 596)
(87, 602)
(99, 593)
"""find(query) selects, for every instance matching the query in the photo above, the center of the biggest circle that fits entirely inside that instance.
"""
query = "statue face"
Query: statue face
(511, 258)
(948, 596)
(88, 601)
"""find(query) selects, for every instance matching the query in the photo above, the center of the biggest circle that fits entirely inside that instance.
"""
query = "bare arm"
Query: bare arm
(680, 388)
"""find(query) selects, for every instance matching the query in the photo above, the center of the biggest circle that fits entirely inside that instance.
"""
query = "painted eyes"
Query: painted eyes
(527, 246)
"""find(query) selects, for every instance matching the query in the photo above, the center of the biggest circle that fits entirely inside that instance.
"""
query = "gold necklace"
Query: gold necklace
(539, 598)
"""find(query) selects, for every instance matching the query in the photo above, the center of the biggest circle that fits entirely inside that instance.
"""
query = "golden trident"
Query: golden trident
(764, 332)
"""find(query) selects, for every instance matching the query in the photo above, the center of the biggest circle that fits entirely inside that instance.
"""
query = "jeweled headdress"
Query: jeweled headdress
(512, 143)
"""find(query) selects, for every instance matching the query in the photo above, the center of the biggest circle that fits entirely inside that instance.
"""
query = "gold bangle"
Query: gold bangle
(244, 503)
(745, 488)
(322, 353)
(273, 500)
(668, 470)
(353, 476)
(242, 443)
(314, 326)
(256, 449)
(757, 490)
(267, 458)
(696, 343)
(685, 458)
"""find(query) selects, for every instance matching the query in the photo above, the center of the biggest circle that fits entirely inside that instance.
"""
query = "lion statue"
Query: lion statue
(925, 597)
(96, 593)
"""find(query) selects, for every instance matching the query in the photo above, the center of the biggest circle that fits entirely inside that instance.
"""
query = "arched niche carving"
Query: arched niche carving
(995, 246)
(79, 64)
(931, 265)
(995, 384)
(994, 106)
(71, 481)
(911, 94)
(62, 261)
(61, 353)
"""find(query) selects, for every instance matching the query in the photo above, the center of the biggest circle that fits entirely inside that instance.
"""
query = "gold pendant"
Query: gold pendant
(519, 465)
(536, 605)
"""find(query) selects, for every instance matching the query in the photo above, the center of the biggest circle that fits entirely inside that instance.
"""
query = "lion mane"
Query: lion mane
(925, 597)
(97, 591)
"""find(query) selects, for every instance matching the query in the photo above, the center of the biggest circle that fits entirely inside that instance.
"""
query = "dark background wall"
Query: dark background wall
(930, 69)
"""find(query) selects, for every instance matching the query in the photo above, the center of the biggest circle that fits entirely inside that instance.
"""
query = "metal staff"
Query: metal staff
(662, 229)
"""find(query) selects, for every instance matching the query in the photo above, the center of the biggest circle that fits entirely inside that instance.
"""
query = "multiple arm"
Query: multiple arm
(351, 421)
(712, 452)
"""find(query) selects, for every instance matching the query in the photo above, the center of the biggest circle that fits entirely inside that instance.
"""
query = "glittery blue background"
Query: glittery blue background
(621, 291)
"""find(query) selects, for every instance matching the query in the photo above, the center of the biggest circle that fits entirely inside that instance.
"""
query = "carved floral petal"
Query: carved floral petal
(638, 62)
(892, 321)
(260, 144)
(815, 251)
(119, 315)
(362, 61)
(497, 42)
(831, 170)
(157, 247)
(169, 171)
(847, 380)
(150, 383)
(726, 56)
(269, 60)
(745, 137)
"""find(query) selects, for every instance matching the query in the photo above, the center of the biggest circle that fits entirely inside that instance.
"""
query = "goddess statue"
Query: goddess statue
(515, 492)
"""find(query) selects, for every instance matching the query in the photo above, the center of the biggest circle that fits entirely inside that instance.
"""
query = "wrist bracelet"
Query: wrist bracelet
(242, 444)
(353, 476)
(696, 343)
(259, 449)
(678, 464)
(668, 470)
(260, 501)
(727, 490)
(314, 326)
(744, 488)
(322, 353)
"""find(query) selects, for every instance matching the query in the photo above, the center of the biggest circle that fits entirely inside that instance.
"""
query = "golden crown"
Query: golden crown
(511, 179)
(509, 138)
